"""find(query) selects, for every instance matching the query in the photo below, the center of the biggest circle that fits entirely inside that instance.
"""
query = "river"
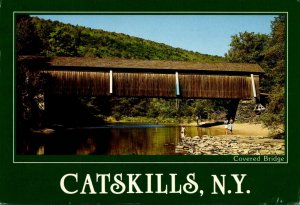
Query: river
(121, 139)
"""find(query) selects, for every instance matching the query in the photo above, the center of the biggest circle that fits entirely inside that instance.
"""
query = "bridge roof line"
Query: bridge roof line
(124, 64)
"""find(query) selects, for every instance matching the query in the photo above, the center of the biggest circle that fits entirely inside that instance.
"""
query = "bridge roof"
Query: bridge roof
(118, 63)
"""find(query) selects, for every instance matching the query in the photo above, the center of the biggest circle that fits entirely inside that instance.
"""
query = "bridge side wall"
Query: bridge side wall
(135, 84)
(217, 86)
(79, 83)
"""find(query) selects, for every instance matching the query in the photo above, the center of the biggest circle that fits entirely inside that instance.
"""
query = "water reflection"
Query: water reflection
(110, 140)
(88, 147)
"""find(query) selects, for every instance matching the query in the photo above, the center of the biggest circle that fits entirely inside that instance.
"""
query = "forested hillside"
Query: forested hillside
(52, 38)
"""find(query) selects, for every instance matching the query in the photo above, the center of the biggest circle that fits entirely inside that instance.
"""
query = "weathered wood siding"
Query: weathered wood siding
(144, 84)
(79, 83)
(139, 84)
(217, 86)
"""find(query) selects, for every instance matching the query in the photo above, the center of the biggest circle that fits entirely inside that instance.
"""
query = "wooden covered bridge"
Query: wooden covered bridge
(147, 78)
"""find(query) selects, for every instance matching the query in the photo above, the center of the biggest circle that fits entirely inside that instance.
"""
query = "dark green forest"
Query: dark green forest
(52, 38)
(36, 36)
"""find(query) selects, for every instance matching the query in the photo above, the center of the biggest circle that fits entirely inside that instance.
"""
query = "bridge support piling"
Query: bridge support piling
(232, 108)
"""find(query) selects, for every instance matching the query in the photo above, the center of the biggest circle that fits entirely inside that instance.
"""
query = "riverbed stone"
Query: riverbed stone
(230, 145)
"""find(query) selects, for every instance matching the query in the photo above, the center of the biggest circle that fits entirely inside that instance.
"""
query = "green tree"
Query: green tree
(275, 76)
(43, 30)
(269, 53)
(275, 54)
(63, 41)
(29, 84)
(27, 41)
(30, 92)
(247, 48)
(274, 115)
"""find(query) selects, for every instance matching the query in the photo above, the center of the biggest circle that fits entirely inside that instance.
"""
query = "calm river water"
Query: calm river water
(130, 139)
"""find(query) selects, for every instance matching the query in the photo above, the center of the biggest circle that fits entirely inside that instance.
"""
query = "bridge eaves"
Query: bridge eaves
(127, 64)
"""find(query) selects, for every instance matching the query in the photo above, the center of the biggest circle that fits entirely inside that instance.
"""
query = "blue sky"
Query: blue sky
(207, 34)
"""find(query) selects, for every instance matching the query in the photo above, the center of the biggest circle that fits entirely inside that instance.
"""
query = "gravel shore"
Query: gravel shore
(230, 145)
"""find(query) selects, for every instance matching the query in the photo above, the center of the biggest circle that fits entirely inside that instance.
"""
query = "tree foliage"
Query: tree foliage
(27, 41)
(247, 48)
(59, 39)
(269, 53)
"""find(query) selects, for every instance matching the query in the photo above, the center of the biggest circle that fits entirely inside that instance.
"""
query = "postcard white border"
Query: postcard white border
(148, 13)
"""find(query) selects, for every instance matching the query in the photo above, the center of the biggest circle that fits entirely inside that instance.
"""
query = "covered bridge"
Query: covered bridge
(147, 78)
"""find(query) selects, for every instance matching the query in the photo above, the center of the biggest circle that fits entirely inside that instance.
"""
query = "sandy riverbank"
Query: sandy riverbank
(247, 129)
(246, 139)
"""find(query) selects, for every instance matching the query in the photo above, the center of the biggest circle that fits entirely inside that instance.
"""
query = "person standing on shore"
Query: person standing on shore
(230, 126)
(198, 118)
(182, 132)
(226, 126)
